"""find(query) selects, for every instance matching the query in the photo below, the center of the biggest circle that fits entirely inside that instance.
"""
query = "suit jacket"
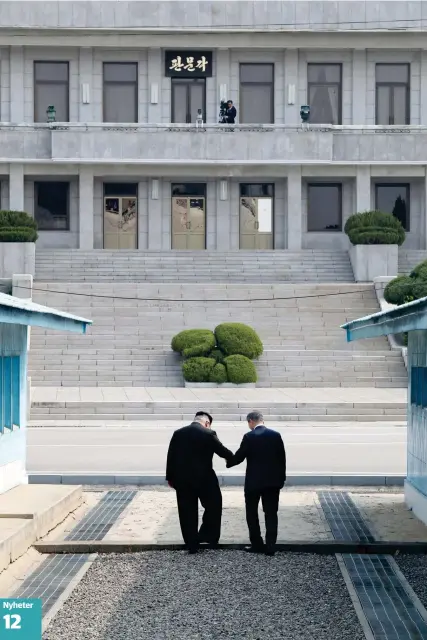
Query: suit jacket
(190, 454)
(265, 454)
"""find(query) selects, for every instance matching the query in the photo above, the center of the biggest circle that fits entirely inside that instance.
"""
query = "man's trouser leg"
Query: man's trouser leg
(188, 508)
(252, 502)
(211, 500)
(270, 506)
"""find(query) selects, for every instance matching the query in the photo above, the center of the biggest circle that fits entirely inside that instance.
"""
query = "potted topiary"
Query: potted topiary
(18, 234)
(219, 359)
(375, 238)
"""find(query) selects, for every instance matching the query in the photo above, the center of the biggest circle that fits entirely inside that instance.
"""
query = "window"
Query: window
(120, 92)
(188, 96)
(324, 93)
(393, 198)
(51, 210)
(324, 212)
(51, 88)
(392, 94)
(256, 94)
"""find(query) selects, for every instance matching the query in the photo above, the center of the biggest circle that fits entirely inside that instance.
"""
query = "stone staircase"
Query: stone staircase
(409, 259)
(76, 265)
(129, 342)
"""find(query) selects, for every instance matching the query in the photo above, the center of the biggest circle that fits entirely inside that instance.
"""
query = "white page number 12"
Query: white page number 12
(12, 622)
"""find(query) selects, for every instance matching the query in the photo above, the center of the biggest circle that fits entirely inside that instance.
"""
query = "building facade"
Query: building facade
(109, 121)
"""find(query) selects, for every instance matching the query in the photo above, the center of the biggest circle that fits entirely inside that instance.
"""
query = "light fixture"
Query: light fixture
(223, 190)
(291, 94)
(85, 93)
(155, 189)
(223, 92)
(154, 94)
(51, 113)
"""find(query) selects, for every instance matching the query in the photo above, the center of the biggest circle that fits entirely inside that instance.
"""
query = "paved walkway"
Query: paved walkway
(174, 394)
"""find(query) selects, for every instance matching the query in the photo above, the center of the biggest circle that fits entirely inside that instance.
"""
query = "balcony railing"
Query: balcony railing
(213, 143)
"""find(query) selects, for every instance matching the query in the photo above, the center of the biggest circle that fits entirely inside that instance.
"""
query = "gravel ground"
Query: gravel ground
(414, 568)
(215, 595)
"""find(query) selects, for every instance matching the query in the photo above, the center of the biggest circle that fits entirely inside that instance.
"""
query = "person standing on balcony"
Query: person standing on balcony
(231, 113)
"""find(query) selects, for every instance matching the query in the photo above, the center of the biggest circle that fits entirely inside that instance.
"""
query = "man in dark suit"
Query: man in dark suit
(189, 471)
(265, 475)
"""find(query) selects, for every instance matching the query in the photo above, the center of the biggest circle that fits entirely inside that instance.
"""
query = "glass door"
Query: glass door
(120, 222)
(188, 222)
(188, 96)
(256, 217)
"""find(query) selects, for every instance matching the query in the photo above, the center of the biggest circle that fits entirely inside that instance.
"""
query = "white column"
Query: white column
(223, 70)
(16, 187)
(359, 87)
(423, 96)
(363, 189)
(223, 214)
(294, 221)
(86, 208)
(291, 87)
(155, 214)
(424, 227)
(155, 76)
(86, 84)
(142, 214)
(17, 85)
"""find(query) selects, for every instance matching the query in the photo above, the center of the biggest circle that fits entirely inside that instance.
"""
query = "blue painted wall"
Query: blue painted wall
(417, 410)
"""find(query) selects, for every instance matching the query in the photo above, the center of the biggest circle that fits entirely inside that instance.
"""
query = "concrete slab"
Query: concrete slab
(45, 504)
(389, 517)
(16, 537)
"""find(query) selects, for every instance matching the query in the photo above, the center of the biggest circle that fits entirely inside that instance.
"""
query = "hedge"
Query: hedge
(399, 290)
(236, 338)
(17, 226)
(194, 342)
(18, 234)
(374, 227)
(240, 370)
(198, 369)
(219, 374)
(217, 355)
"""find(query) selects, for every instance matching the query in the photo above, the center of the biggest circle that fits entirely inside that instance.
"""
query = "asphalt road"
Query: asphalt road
(350, 449)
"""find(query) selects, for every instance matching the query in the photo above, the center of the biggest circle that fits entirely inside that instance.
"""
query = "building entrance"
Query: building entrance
(188, 216)
(120, 216)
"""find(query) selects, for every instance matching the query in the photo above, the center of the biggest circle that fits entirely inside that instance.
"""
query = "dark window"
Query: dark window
(120, 189)
(51, 210)
(324, 93)
(51, 88)
(392, 94)
(188, 96)
(256, 190)
(256, 94)
(189, 189)
(393, 198)
(324, 211)
(120, 92)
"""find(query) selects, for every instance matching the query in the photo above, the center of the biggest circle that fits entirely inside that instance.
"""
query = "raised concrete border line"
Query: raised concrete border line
(336, 480)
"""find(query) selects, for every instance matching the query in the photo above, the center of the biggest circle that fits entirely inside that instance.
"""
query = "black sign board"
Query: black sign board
(188, 64)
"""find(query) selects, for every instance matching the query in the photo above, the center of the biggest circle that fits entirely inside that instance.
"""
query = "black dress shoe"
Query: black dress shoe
(252, 549)
(270, 551)
(193, 550)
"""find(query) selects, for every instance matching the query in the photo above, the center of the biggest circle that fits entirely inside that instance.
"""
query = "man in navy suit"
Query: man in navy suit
(265, 454)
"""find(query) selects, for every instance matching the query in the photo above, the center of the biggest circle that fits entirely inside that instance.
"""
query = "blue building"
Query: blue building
(411, 318)
(16, 315)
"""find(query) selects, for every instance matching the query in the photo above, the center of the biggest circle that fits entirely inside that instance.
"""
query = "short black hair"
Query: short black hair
(205, 413)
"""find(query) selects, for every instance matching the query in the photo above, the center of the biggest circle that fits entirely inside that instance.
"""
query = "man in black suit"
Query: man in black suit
(189, 471)
(265, 475)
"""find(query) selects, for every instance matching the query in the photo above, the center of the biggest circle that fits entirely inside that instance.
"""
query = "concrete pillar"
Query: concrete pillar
(17, 100)
(142, 215)
(223, 214)
(363, 189)
(359, 87)
(294, 193)
(291, 87)
(86, 212)
(86, 84)
(423, 96)
(16, 187)
(424, 226)
(155, 214)
(223, 77)
(155, 75)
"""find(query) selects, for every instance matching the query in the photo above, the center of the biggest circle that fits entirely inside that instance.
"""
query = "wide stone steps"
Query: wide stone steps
(409, 259)
(192, 266)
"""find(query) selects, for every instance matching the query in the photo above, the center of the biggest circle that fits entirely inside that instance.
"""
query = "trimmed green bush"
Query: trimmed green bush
(236, 338)
(399, 290)
(217, 355)
(240, 370)
(17, 226)
(219, 374)
(194, 342)
(198, 369)
(374, 227)
(420, 271)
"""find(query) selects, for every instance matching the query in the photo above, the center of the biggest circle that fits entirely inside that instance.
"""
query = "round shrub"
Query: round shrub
(194, 342)
(236, 338)
(240, 370)
(17, 226)
(420, 271)
(219, 374)
(399, 290)
(198, 369)
(374, 227)
(217, 355)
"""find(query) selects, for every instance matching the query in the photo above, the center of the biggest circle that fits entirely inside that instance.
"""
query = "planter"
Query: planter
(17, 258)
(214, 385)
(371, 261)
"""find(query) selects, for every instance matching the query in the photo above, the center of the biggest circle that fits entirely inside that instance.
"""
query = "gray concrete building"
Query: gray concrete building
(109, 121)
